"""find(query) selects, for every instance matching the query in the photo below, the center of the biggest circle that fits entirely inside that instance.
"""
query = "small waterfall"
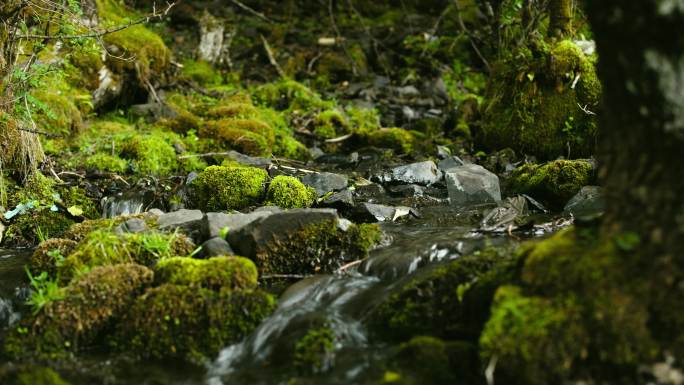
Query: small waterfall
(126, 204)
(335, 299)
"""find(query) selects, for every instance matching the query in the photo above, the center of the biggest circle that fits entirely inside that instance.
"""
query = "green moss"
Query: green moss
(290, 148)
(553, 183)
(106, 162)
(49, 253)
(288, 192)
(330, 124)
(233, 111)
(58, 107)
(229, 188)
(90, 303)
(449, 301)
(576, 307)
(313, 352)
(189, 322)
(288, 94)
(397, 139)
(27, 229)
(215, 273)
(102, 247)
(426, 360)
(29, 375)
(151, 154)
(202, 72)
(249, 136)
(363, 120)
(78, 231)
(77, 198)
(363, 237)
(139, 49)
(532, 106)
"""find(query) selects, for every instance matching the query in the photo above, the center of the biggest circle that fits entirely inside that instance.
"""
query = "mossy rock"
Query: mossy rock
(248, 136)
(103, 247)
(330, 124)
(229, 188)
(48, 253)
(313, 353)
(397, 139)
(288, 94)
(288, 192)
(90, 303)
(577, 307)
(449, 301)
(202, 72)
(29, 375)
(25, 229)
(535, 101)
(188, 322)
(552, 183)
(233, 273)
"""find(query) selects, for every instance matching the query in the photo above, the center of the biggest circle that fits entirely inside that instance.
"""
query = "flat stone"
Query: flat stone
(215, 222)
(215, 247)
(472, 184)
(422, 173)
(191, 222)
(250, 239)
(325, 182)
(342, 200)
(371, 212)
(450, 162)
(132, 226)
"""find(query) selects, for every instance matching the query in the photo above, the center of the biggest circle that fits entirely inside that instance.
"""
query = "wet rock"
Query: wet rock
(249, 160)
(408, 191)
(370, 212)
(154, 213)
(342, 200)
(215, 247)
(422, 173)
(325, 182)
(450, 162)
(252, 238)
(443, 152)
(369, 191)
(133, 226)
(472, 184)
(189, 221)
(589, 201)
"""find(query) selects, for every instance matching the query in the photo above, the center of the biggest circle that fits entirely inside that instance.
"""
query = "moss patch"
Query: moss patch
(288, 192)
(229, 188)
(214, 273)
(553, 183)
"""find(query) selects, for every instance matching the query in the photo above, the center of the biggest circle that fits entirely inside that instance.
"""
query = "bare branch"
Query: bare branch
(252, 11)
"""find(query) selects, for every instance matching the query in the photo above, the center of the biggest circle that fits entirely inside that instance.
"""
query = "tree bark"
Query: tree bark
(641, 147)
(560, 12)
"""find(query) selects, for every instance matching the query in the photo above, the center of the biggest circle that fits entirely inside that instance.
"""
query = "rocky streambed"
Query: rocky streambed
(339, 293)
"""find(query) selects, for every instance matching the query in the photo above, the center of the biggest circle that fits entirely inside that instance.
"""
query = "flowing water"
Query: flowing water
(340, 301)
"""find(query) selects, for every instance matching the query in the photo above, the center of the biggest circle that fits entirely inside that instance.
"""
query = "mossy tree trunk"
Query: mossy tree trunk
(560, 12)
(641, 51)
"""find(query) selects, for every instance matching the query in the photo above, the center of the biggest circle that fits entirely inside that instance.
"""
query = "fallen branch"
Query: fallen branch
(252, 11)
(271, 58)
(108, 31)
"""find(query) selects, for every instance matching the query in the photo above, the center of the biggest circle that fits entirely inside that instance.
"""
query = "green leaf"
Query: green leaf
(75, 211)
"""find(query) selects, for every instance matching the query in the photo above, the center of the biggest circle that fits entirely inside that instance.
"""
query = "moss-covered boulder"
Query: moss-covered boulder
(229, 188)
(449, 301)
(288, 192)
(90, 304)
(189, 322)
(552, 183)
(542, 101)
(249, 136)
(214, 273)
(49, 253)
(330, 124)
(29, 375)
(302, 241)
(400, 140)
(576, 308)
(103, 247)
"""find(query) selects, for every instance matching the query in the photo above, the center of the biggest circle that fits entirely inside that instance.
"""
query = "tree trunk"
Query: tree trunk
(560, 12)
(641, 51)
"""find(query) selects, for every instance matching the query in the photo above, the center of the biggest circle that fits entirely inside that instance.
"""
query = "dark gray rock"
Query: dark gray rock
(422, 173)
(191, 222)
(370, 212)
(133, 226)
(325, 182)
(507, 216)
(369, 191)
(342, 200)
(450, 162)
(215, 247)
(589, 201)
(215, 222)
(407, 191)
(257, 237)
(472, 184)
